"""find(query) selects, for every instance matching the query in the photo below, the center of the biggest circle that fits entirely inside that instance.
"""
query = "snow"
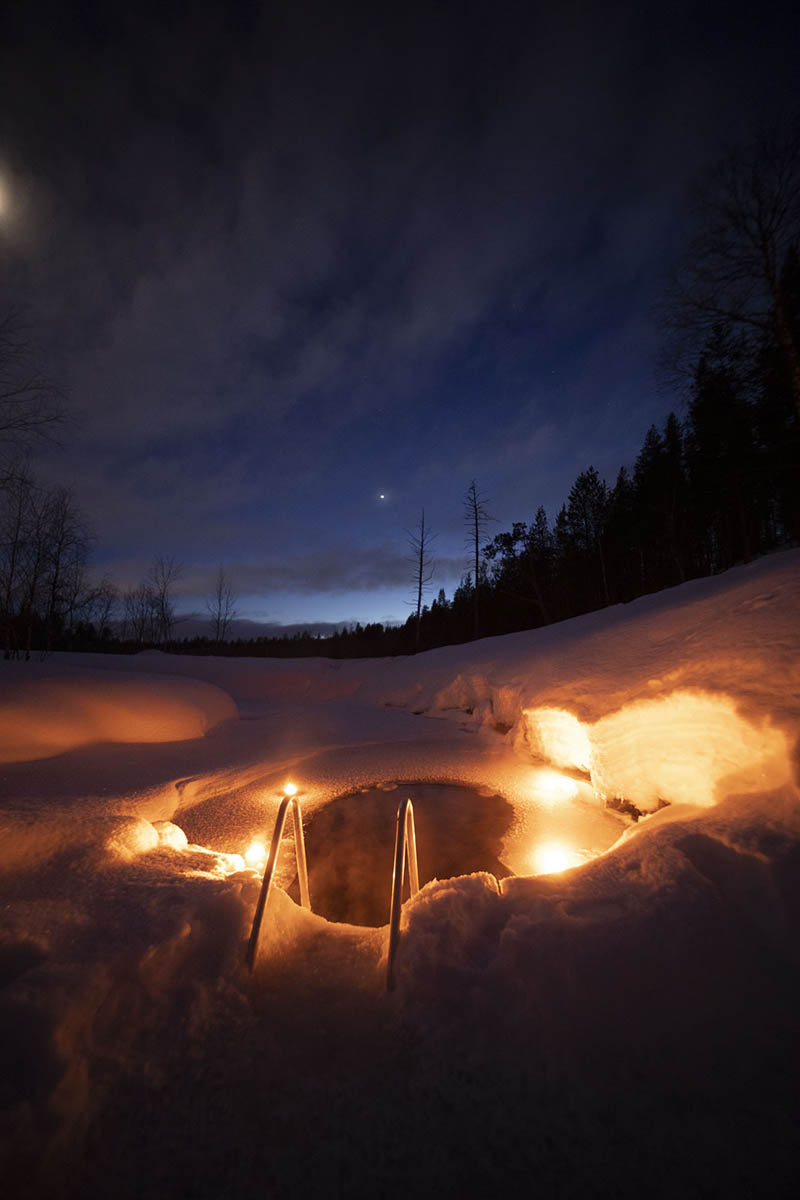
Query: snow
(626, 1025)
(44, 713)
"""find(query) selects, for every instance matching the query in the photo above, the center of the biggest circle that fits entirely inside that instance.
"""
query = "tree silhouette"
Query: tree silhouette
(732, 274)
(221, 605)
(44, 545)
(419, 541)
(162, 577)
(721, 455)
(31, 405)
(476, 518)
(586, 517)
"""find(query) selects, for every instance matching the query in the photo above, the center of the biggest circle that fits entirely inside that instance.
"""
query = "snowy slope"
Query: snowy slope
(625, 1027)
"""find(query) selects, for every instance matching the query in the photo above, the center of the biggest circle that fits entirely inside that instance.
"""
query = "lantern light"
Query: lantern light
(553, 788)
(256, 854)
(551, 858)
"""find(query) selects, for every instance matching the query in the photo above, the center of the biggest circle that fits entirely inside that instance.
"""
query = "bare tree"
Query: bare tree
(162, 577)
(98, 605)
(746, 230)
(419, 541)
(221, 604)
(140, 614)
(31, 405)
(15, 531)
(44, 544)
(35, 567)
(67, 552)
(476, 518)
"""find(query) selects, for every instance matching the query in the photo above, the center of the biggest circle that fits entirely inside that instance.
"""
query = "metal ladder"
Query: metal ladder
(405, 849)
(288, 802)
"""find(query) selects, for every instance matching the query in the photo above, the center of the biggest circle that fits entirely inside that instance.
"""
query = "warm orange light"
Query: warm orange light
(682, 747)
(559, 736)
(551, 858)
(231, 863)
(553, 787)
(256, 854)
(290, 789)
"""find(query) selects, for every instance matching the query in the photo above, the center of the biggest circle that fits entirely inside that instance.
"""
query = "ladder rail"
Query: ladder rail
(405, 851)
(288, 803)
(405, 847)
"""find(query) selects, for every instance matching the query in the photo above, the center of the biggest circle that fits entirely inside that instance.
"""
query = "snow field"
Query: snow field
(627, 1026)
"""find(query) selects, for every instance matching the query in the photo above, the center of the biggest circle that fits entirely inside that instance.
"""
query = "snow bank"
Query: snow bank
(626, 1027)
(678, 697)
(677, 871)
(688, 747)
(44, 712)
(246, 679)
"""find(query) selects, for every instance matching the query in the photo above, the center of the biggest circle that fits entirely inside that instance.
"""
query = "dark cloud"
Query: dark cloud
(283, 256)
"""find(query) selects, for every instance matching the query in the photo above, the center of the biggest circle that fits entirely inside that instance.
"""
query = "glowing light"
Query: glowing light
(689, 747)
(551, 858)
(231, 863)
(256, 854)
(553, 788)
(290, 789)
(382, 496)
(559, 736)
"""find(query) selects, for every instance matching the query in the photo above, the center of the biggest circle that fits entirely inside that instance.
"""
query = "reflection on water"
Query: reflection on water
(350, 845)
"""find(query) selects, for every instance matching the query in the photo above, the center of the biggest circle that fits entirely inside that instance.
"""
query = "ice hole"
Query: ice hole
(350, 845)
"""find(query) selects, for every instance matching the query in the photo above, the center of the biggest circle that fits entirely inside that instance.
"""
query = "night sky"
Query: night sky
(286, 258)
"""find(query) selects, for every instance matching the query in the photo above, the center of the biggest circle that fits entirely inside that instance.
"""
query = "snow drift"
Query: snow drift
(625, 1027)
(43, 713)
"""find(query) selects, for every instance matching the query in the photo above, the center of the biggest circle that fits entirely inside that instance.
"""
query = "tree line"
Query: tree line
(714, 487)
(46, 593)
(717, 488)
(45, 587)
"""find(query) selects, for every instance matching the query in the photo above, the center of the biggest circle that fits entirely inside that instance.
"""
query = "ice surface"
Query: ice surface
(625, 1027)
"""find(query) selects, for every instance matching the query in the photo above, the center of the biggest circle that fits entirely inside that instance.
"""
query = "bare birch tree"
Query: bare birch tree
(98, 605)
(419, 541)
(162, 577)
(221, 605)
(139, 609)
(476, 519)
